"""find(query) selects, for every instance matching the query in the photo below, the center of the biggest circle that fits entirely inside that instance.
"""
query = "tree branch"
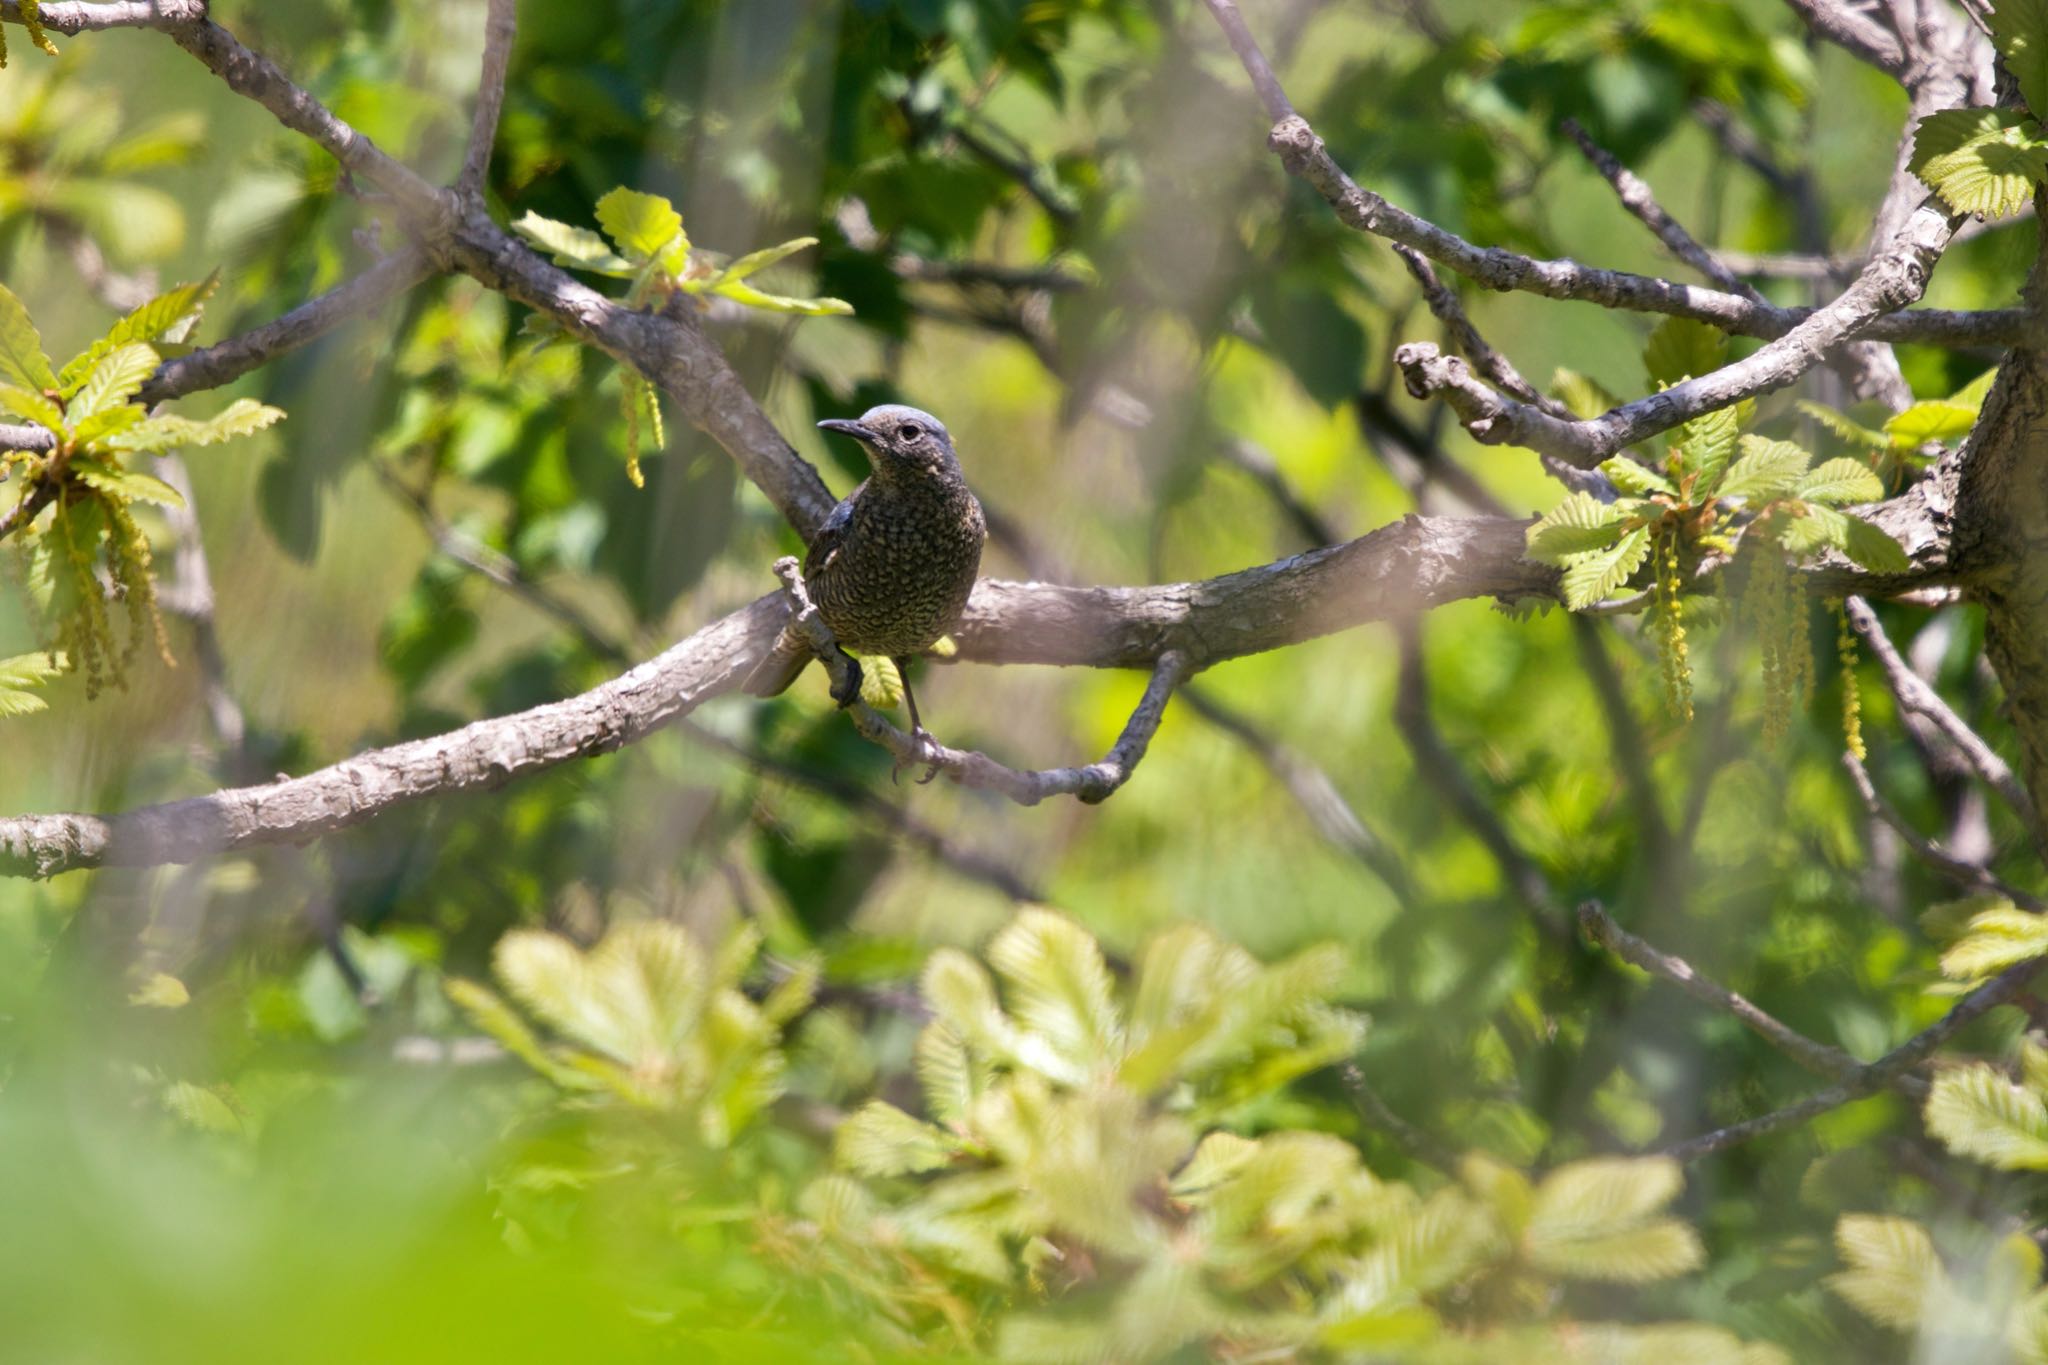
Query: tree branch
(1918, 698)
(1867, 1080)
(1092, 784)
(1854, 32)
(1959, 870)
(73, 16)
(1639, 200)
(501, 25)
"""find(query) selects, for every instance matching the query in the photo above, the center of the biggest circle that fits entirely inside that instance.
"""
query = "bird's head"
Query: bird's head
(899, 439)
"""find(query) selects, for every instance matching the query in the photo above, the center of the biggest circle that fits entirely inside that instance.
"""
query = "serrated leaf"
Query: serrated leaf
(1704, 446)
(642, 226)
(113, 381)
(760, 260)
(1636, 480)
(32, 407)
(574, 247)
(1894, 1272)
(243, 417)
(1576, 525)
(1582, 395)
(1593, 578)
(1978, 1112)
(1932, 420)
(2019, 29)
(878, 1139)
(881, 683)
(1980, 161)
(1058, 986)
(1993, 940)
(1840, 482)
(170, 315)
(1767, 470)
(1682, 348)
(950, 1079)
(127, 484)
(1852, 432)
(22, 672)
(739, 291)
(1873, 548)
(1600, 1219)
(1811, 527)
(22, 362)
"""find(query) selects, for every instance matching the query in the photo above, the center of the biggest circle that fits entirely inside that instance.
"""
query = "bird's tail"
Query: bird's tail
(779, 667)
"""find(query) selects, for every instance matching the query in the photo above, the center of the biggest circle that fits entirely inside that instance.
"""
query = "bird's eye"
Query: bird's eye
(909, 431)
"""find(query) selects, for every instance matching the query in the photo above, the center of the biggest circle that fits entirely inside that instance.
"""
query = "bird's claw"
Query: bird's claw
(927, 754)
(847, 692)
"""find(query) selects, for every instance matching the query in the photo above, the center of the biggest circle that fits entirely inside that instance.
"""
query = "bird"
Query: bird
(891, 567)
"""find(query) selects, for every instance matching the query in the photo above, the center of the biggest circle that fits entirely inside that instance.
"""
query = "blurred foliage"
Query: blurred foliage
(265, 1108)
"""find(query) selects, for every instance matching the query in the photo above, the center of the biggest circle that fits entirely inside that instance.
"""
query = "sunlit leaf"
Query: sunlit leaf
(1981, 161)
(1978, 1112)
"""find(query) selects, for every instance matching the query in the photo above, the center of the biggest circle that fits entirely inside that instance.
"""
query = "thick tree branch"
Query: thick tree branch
(73, 16)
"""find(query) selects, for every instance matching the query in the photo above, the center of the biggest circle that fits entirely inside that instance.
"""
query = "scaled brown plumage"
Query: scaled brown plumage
(891, 568)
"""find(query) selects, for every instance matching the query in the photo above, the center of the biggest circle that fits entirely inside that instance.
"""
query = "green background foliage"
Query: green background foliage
(215, 1144)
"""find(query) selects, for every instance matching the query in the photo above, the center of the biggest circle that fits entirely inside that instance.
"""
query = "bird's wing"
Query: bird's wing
(831, 535)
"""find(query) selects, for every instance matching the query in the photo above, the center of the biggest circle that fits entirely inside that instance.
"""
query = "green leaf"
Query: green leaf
(31, 406)
(22, 362)
(881, 683)
(1994, 940)
(162, 991)
(574, 247)
(765, 257)
(1636, 480)
(171, 315)
(200, 1107)
(243, 417)
(1576, 525)
(1894, 1272)
(1811, 527)
(2019, 29)
(22, 672)
(1704, 444)
(1978, 1112)
(1973, 394)
(1059, 986)
(642, 226)
(1852, 432)
(879, 1139)
(1873, 548)
(113, 381)
(1933, 420)
(741, 292)
(126, 484)
(1767, 470)
(1681, 348)
(1840, 482)
(1980, 161)
(950, 1079)
(1600, 1219)
(1584, 396)
(1592, 578)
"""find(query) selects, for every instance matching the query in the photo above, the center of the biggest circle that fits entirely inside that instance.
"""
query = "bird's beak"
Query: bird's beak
(847, 428)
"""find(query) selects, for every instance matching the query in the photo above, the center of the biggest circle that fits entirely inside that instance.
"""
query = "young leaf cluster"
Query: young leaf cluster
(1989, 162)
(644, 243)
(647, 1017)
(97, 429)
(1067, 1195)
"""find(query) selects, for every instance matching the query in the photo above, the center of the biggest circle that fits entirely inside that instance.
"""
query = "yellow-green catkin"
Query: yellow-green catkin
(129, 557)
(629, 399)
(1776, 606)
(1852, 694)
(1668, 624)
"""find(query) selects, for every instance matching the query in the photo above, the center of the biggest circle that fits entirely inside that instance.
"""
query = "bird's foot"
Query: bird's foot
(848, 692)
(927, 754)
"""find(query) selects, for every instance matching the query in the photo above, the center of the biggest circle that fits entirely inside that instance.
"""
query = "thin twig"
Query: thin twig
(1916, 696)
(1640, 200)
(1960, 870)
(1091, 784)
(190, 595)
(501, 25)
(2000, 990)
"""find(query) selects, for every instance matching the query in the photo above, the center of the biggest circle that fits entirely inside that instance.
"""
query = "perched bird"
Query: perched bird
(891, 568)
